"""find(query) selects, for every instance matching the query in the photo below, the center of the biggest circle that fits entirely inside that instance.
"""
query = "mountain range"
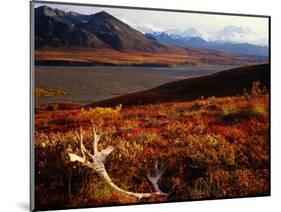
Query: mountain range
(56, 28)
(105, 33)
(194, 39)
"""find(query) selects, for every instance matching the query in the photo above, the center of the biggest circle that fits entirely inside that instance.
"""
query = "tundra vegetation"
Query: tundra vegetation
(207, 148)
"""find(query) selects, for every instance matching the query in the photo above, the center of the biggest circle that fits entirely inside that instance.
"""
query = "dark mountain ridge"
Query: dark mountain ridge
(119, 35)
(56, 28)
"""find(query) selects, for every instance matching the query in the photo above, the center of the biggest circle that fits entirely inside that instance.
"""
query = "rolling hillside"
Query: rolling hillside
(226, 83)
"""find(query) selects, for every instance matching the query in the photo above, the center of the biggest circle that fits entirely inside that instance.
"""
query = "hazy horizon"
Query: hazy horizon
(209, 26)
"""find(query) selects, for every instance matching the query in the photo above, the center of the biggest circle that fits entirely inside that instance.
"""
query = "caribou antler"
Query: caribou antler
(98, 160)
(159, 171)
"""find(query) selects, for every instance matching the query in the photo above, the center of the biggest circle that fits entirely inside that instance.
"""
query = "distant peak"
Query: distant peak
(197, 38)
(43, 7)
(72, 13)
(103, 14)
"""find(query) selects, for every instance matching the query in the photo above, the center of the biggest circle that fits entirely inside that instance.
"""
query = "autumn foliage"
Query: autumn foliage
(212, 147)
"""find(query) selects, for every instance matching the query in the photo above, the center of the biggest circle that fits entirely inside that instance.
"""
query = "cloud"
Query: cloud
(143, 27)
(146, 27)
(237, 34)
(126, 21)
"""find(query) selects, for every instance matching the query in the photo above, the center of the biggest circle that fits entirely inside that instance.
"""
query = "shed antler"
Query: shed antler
(159, 171)
(97, 161)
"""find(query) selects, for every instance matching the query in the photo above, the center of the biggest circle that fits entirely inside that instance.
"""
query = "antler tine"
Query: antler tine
(80, 138)
(74, 157)
(161, 170)
(156, 165)
(96, 139)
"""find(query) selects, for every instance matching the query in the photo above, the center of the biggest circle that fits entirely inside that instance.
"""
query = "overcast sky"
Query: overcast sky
(161, 21)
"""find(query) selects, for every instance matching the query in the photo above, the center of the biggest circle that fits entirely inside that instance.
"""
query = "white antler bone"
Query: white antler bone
(98, 160)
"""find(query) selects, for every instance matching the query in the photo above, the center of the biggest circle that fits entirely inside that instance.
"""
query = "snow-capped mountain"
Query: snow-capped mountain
(174, 32)
(70, 28)
(234, 34)
(192, 32)
(149, 28)
(229, 40)
(229, 34)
